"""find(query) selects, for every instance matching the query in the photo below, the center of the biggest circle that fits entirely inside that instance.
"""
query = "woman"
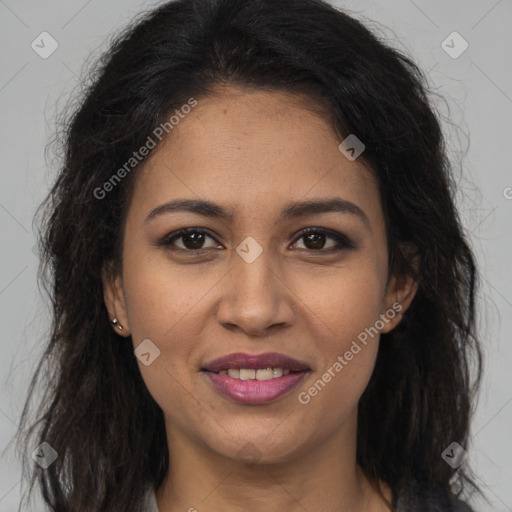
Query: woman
(262, 295)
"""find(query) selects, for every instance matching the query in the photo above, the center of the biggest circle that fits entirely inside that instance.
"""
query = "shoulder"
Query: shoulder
(417, 495)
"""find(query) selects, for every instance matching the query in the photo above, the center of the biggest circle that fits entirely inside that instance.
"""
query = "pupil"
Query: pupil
(194, 239)
(316, 239)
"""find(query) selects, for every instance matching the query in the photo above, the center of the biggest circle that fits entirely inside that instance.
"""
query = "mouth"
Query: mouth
(255, 379)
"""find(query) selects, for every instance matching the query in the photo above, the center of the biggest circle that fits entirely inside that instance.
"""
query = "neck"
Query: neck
(323, 478)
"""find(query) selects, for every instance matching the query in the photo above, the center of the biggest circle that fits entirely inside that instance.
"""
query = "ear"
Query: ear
(399, 295)
(114, 298)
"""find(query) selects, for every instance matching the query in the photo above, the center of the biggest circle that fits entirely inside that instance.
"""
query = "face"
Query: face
(257, 274)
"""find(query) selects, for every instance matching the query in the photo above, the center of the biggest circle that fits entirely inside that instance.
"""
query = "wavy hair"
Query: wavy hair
(96, 410)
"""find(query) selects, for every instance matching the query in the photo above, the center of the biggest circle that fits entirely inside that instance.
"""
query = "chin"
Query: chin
(259, 447)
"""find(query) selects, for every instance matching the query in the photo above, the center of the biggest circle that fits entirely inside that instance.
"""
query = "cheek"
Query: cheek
(346, 302)
(161, 296)
(157, 307)
(350, 308)
(166, 306)
(173, 325)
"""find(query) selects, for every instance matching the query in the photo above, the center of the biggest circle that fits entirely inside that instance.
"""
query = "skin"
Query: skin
(253, 152)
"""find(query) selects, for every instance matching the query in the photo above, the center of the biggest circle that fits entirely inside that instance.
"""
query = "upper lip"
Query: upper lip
(255, 361)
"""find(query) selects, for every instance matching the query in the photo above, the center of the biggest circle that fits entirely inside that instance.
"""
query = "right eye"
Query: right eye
(191, 239)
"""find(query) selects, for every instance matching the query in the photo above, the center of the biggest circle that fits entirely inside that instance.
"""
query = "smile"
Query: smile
(255, 379)
(252, 374)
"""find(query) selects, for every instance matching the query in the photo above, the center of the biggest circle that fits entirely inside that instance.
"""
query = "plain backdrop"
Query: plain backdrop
(477, 117)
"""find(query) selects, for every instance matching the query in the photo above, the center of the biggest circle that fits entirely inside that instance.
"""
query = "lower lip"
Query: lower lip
(255, 391)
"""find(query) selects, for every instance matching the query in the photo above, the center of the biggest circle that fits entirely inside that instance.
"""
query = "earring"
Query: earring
(115, 321)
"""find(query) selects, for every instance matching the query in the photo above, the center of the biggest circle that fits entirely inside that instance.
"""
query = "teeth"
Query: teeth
(246, 374)
(251, 374)
(277, 372)
(265, 374)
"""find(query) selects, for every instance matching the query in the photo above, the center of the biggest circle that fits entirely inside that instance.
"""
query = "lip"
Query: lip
(252, 392)
(255, 361)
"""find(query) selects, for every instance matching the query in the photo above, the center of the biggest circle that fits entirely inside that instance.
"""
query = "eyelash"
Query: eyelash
(341, 240)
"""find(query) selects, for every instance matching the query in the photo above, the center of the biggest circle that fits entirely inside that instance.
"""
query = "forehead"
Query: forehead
(253, 150)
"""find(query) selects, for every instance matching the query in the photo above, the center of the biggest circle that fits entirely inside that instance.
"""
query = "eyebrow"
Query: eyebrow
(291, 211)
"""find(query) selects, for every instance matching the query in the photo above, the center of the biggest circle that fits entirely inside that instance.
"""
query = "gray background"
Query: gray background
(478, 113)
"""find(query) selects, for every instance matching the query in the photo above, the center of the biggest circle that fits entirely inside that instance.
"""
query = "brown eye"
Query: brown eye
(314, 240)
(189, 239)
(193, 240)
(323, 240)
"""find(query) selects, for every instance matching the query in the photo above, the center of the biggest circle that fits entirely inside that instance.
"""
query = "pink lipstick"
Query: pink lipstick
(255, 378)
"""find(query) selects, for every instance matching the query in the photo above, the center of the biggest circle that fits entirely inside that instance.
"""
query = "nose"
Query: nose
(256, 298)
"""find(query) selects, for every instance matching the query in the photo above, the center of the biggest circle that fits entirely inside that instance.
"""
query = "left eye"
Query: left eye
(315, 239)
